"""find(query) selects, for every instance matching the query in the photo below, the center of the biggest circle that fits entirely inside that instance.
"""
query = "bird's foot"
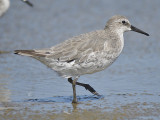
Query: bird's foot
(92, 90)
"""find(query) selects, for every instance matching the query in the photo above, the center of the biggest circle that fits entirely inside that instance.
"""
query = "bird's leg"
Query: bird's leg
(74, 90)
(87, 86)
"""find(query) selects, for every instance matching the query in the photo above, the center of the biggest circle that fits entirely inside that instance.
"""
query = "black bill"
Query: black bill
(138, 30)
(28, 3)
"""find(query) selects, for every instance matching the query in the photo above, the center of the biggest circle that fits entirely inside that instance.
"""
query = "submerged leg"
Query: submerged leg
(74, 90)
(87, 86)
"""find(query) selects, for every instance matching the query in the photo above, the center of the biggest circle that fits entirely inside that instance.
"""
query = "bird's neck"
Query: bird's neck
(121, 38)
(116, 41)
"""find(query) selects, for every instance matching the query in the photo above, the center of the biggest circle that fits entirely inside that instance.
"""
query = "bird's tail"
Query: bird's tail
(24, 52)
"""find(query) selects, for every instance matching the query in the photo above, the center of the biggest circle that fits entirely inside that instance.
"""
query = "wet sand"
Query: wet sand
(149, 111)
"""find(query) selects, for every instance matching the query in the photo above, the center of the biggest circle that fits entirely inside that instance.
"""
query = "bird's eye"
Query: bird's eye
(123, 22)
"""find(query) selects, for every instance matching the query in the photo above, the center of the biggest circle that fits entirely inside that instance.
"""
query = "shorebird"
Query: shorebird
(85, 54)
(4, 5)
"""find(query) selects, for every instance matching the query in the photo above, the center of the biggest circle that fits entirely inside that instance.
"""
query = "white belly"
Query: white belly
(94, 63)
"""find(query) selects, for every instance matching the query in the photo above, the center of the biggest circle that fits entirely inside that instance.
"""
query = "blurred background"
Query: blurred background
(129, 87)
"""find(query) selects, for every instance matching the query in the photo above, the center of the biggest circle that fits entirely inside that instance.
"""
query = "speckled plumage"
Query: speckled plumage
(87, 53)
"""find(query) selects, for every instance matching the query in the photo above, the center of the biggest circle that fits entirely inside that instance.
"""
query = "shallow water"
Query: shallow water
(129, 88)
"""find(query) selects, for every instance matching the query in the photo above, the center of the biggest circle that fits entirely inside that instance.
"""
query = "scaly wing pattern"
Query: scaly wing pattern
(76, 48)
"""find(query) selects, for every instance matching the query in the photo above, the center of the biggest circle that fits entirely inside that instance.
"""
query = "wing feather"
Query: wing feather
(76, 48)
